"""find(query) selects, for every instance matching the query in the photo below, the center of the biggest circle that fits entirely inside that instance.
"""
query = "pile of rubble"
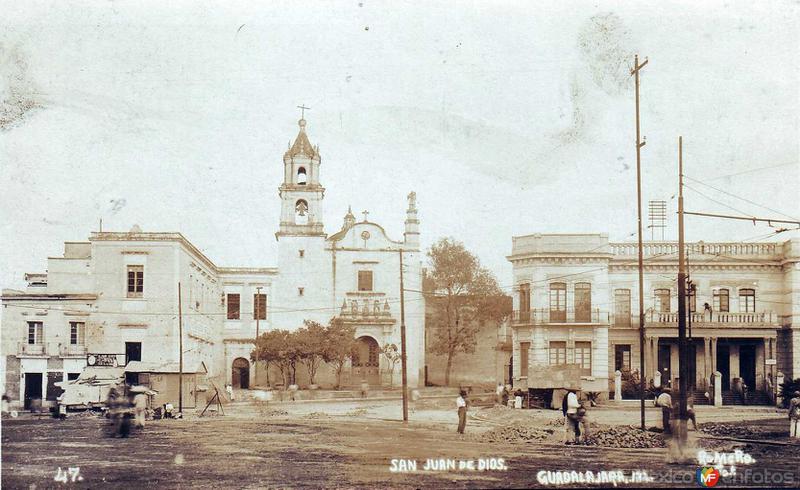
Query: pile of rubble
(275, 413)
(513, 434)
(356, 413)
(730, 430)
(622, 436)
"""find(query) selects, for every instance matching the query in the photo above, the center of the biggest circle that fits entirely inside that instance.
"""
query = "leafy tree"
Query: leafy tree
(270, 349)
(393, 356)
(339, 345)
(787, 389)
(463, 296)
(311, 346)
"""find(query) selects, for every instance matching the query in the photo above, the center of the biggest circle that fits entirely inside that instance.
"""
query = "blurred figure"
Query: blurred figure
(364, 388)
(504, 396)
(229, 390)
(140, 408)
(461, 405)
(119, 411)
(499, 392)
(518, 396)
(664, 401)
(583, 421)
(794, 416)
(415, 395)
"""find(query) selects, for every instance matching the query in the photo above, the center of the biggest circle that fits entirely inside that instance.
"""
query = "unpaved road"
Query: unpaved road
(297, 451)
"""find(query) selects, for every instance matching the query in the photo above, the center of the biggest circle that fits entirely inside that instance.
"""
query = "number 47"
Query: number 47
(72, 474)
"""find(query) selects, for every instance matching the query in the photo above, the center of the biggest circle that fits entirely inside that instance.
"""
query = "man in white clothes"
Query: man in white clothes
(572, 414)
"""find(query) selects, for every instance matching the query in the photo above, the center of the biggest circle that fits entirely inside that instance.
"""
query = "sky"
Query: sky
(505, 118)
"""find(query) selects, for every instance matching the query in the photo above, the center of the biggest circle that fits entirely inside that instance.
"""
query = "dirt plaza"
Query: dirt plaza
(362, 443)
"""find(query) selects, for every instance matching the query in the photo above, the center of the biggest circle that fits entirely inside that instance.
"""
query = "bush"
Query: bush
(787, 390)
(631, 387)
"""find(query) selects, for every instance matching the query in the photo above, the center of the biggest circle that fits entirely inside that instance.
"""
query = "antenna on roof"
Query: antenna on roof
(658, 218)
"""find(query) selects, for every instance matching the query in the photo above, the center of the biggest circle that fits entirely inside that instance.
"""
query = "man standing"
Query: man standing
(794, 416)
(461, 405)
(664, 401)
(572, 415)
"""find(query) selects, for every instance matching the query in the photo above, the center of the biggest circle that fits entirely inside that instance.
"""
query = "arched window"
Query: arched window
(301, 212)
(747, 300)
(301, 176)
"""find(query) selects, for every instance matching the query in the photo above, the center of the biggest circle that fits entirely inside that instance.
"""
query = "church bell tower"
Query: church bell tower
(301, 193)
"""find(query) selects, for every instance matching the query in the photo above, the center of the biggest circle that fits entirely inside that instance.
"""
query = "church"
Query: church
(114, 299)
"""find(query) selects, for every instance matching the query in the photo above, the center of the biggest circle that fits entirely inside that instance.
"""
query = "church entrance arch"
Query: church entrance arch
(240, 377)
(366, 361)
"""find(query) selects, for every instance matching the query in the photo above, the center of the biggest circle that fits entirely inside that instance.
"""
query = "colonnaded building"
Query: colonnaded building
(116, 296)
(576, 313)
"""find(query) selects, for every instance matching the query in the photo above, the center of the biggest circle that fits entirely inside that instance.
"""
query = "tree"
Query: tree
(270, 349)
(392, 355)
(339, 345)
(311, 346)
(463, 296)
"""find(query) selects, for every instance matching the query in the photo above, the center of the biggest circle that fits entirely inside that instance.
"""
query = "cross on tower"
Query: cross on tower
(303, 111)
(365, 213)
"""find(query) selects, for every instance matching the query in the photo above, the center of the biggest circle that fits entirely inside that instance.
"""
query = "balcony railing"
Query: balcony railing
(670, 249)
(545, 316)
(700, 319)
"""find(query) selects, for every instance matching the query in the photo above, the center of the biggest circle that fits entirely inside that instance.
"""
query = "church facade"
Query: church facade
(115, 298)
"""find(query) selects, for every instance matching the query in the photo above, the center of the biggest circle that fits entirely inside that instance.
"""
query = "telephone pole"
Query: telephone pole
(180, 352)
(403, 341)
(257, 311)
(683, 368)
(639, 144)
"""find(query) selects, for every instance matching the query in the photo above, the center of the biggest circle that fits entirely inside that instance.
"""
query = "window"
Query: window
(300, 291)
(301, 212)
(583, 302)
(722, 300)
(558, 353)
(302, 253)
(77, 333)
(35, 330)
(365, 280)
(747, 300)
(135, 281)
(301, 176)
(525, 302)
(133, 352)
(583, 356)
(233, 307)
(558, 302)
(691, 299)
(260, 306)
(622, 307)
(524, 353)
(662, 300)
(622, 357)
(72, 376)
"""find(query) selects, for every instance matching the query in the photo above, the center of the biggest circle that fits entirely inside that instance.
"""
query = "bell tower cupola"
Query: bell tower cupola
(301, 193)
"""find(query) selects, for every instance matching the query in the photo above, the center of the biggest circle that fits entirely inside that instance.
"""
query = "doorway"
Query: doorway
(665, 364)
(747, 365)
(366, 361)
(724, 365)
(33, 388)
(240, 376)
(691, 366)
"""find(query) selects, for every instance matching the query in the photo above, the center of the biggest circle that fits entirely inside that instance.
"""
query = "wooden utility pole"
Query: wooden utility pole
(403, 356)
(683, 364)
(639, 144)
(257, 314)
(180, 352)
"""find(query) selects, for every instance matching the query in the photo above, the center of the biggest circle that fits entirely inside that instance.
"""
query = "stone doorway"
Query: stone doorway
(240, 376)
(366, 361)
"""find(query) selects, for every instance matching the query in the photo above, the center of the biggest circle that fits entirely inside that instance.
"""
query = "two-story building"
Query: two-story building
(576, 312)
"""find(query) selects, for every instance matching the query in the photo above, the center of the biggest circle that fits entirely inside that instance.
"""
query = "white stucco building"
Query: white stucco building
(116, 295)
(576, 304)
